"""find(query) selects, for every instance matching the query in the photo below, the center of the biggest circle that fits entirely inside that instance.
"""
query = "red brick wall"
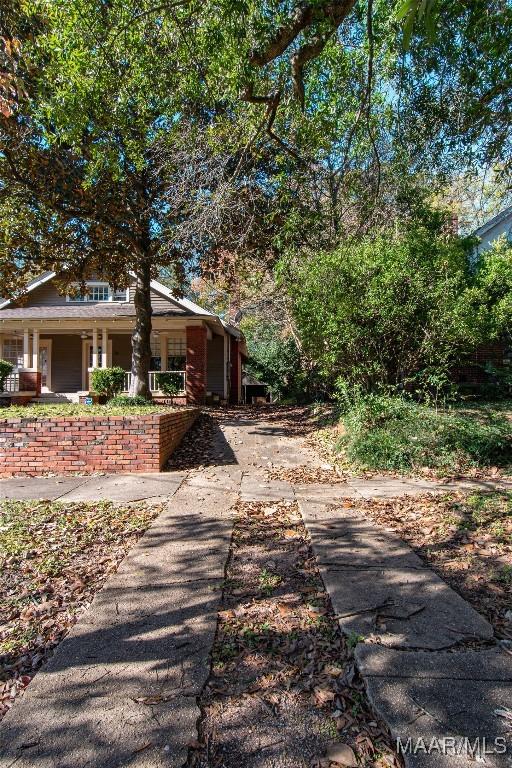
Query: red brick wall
(236, 372)
(91, 443)
(30, 381)
(196, 364)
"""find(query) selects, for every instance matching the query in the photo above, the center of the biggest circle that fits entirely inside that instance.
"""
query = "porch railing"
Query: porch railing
(12, 382)
(153, 380)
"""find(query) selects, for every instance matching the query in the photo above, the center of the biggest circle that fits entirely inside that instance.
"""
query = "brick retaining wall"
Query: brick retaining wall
(140, 443)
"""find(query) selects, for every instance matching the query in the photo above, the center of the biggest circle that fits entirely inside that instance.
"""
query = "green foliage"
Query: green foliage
(395, 433)
(170, 383)
(124, 401)
(5, 370)
(275, 360)
(71, 410)
(108, 381)
(397, 311)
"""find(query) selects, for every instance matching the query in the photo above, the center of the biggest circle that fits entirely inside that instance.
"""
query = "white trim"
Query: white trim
(86, 344)
(31, 286)
(491, 223)
(185, 303)
(97, 284)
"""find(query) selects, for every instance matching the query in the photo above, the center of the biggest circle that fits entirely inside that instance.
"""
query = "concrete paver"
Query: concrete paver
(380, 588)
(257, 488)
(38, 487)
(401, 607)
(434, 698)
(119, 488)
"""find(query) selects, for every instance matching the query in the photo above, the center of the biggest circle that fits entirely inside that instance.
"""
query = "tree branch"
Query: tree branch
(303, 17)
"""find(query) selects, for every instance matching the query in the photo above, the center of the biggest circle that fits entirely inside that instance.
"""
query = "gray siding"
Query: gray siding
(122, 350)
(47, 295)
(44, 296)
(215, 365)
(66, 362)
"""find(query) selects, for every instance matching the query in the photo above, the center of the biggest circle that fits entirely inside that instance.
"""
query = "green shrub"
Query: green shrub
(5, 370)
(170, 383)
(108, 381)
(393, 433)
(125, 400)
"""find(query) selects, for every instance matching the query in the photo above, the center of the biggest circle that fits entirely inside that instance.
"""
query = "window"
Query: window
(13, 351)
(120, 295)
(176, 354)
(99, 292)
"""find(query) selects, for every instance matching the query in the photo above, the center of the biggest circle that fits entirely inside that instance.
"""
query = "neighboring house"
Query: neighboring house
(492, 229)
(55, 341)
(497, 355)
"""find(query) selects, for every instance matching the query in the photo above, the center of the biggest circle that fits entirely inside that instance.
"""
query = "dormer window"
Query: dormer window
(99, 292)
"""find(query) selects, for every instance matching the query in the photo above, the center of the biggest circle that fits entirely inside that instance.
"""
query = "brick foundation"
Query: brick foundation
(30, 381)
(196, 364)
(91, 443)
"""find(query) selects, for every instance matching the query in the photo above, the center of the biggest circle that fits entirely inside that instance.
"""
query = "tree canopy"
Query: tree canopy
(137, 135)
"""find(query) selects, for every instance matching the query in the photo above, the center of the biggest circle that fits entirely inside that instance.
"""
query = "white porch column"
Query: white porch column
(26, 349)
(1, 346)
(104, 348)
(94, 347)
(164, 347)
(35, 349)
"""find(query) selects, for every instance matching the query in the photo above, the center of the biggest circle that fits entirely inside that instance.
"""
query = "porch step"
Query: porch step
(49, 398)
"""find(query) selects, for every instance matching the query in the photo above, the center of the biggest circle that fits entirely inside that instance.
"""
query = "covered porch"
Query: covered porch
(57, 359)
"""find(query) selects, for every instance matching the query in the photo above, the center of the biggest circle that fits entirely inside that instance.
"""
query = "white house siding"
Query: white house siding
(490, 231)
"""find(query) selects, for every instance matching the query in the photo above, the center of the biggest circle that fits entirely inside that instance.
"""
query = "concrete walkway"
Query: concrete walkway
(121, 689)
(432, 668)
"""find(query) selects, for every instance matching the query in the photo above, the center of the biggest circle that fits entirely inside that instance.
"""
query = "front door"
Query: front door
(45, 363)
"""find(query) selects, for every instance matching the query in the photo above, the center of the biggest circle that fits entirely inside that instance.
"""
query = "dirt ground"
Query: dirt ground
(283, 691)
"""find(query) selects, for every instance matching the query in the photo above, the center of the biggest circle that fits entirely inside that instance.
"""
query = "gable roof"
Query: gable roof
(188, 306)
(491, 223)
(107, 310)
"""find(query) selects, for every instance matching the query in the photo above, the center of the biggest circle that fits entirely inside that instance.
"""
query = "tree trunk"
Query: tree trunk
(141, 337)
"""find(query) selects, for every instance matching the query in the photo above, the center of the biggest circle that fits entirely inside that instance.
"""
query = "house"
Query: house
(55, 341)
(492, 229)
(493, 356)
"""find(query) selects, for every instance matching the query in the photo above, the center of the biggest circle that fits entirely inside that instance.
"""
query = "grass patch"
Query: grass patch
(393, 433)
(74, 410)
(53, 558)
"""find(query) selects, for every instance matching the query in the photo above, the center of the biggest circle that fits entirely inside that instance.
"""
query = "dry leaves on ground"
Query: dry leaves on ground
(197, 449)
(283, 689)
(53, 558)
(306, 475)
(466, 538)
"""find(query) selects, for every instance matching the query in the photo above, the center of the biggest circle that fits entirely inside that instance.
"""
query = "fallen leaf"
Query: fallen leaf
(342, 754)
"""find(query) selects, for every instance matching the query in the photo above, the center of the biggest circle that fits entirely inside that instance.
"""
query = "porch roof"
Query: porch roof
(88, 311)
